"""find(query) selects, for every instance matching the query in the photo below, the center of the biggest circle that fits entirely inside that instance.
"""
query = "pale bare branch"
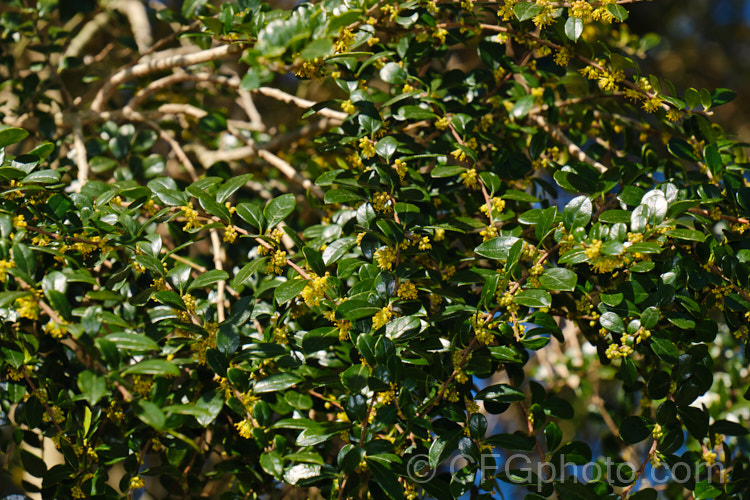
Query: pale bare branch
(142, 69)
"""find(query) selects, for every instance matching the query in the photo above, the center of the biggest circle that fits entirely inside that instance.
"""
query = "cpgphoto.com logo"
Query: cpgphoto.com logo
(520, 469)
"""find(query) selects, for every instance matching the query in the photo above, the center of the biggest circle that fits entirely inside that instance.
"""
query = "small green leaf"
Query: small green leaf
(526, 10)
(681, 149)
(156, 367)
(229, 187)
(386, 147)
(497, 248)
(150, 414)
(500, 393)
(92, 386)
(277, 382)
(393, 73)
(687, 234)
(704, 490)
(279, 208)
(574, 28)
(252, 214)
(208, 278)
(137, 342)
(612, 322)
(577, 213)
(634, 429)
(288, 290)
(533, 298)
(559, 279)
(618, 11)
(12, 135)
(272, 463)
(665, 349)
(341, 196)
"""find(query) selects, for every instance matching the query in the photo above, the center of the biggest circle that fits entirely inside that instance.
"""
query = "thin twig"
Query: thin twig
(219, 265)
(572, 147)
(82, 162)
(143, 69)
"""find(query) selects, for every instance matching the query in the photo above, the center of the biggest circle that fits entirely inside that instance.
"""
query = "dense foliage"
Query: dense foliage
(487, 233)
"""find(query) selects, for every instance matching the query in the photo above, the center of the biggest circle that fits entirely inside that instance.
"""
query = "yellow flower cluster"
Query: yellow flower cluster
(657, 432)
(440, 34)
(400, 167)
(424, 243)
(19, 222)
(367, 147)
(56, 330)
(343, 326)
(348, 107)
(562, 57)
(27, 307)
(310, 69)
(315, 290)
(344, 40)
(506, 11)
(615, 351)
(5, 265)
(280, 336)
(641, 335)
(381, 318)
(407, 290)
(459, 155)
(386, 257)
(230, 234)
(381, 202)
(442, 123)
(496, 207)
(635, 237)
(355, 161)
(483, 334)
(602, 264)
(149, 208)
(458, 366)
(387, 397)
(244, 428)
(192, 217)
(469, 178)
(142, 385)
(581, 9)
(136, 483)
(488, 233)
(277, 262)
(390, 10)
(592, 251)
(546, 16)
(439, 234)
(719, 292)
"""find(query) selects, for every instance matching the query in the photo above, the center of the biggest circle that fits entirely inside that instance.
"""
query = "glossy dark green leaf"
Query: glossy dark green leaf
(573, 28)
(252, 214)
(208, 278)
(577, 213)
(500, 393)
(12, 135)
(533, 298)
(279, 209)
(634, 429)
(277, 382)
(93, 387)
(156, 367)
(559, 279)
(497, 248)
(526, 10)
(288, 290)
